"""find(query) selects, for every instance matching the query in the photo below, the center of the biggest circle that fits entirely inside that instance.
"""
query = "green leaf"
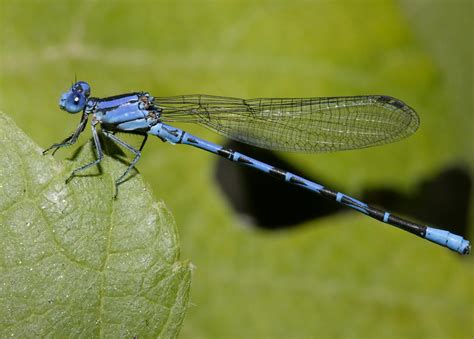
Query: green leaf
(73, 261)
(342, 276)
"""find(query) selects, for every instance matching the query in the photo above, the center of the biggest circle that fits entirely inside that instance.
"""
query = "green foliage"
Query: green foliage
(338, 277)
(75, 262)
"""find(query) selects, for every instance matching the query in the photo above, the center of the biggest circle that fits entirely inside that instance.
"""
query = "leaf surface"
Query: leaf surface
(75, 262)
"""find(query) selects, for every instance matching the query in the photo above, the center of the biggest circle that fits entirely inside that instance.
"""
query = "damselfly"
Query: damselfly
(293, 124)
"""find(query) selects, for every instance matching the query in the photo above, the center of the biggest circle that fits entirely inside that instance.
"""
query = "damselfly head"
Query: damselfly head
(75, 99)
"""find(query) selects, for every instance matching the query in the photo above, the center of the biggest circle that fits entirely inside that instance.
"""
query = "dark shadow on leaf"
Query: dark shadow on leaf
(272, 204)
(442, 201)
(265, 201)
(110, 149)
(75, 155)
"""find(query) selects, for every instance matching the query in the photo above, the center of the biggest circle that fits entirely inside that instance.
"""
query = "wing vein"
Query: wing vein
(297, 124)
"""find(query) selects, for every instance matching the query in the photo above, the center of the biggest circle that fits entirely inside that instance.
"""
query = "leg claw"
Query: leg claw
(70, 178)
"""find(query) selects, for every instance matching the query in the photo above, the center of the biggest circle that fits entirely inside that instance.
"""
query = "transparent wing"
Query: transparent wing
(297, 124)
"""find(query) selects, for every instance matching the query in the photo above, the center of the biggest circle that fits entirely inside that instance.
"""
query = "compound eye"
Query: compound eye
(75, 99)
(74, 103)
(81, 87)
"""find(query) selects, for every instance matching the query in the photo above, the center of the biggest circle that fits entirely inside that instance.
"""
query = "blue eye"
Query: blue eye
(82, 87)
(73, 103)
(75, 99)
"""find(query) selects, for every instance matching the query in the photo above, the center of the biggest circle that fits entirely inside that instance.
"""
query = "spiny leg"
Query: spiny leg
(71, 139)
(98, 149)
(131, 149)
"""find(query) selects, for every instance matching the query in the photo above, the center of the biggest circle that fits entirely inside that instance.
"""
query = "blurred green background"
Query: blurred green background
(338, 277)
